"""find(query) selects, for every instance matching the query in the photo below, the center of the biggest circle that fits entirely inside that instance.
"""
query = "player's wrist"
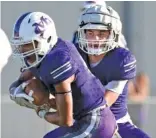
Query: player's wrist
(42, 113)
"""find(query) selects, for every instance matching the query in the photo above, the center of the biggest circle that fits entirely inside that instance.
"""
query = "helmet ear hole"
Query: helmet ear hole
(117, 38)
(49, 39)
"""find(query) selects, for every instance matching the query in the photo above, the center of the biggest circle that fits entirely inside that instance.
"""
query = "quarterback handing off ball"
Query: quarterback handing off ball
(36, 89)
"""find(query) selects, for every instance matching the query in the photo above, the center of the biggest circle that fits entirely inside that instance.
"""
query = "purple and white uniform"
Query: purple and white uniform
(91, 120)
(114, 71)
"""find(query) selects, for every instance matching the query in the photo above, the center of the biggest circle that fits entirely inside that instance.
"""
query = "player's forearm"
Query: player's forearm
(62, 118)
(64, 101)
(110, 97)
(65, 108)
(23, 77)
(26, 75)
(19, 81)
(53, 117)
(52, 103)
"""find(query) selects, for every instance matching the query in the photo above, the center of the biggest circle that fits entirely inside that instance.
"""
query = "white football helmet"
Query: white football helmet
(99, 17)
(88, 4)
(30, 27)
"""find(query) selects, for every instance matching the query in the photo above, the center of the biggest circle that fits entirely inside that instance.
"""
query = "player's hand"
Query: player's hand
(18, 95)
(52, 103)
(41, 112)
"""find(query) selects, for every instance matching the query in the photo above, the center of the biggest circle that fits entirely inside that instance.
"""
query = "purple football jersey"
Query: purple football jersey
(118, 64)
(62, 62)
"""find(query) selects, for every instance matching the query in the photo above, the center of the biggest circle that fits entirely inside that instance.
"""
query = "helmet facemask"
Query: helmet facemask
(94, 46)
(100, 18)
(29, 54)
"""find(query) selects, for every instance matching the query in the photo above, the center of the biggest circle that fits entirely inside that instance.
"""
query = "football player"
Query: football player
(98, 35)
(58, 64)
(138, 87)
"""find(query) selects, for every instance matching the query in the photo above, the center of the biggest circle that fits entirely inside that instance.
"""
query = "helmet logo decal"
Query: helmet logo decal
(39, 27)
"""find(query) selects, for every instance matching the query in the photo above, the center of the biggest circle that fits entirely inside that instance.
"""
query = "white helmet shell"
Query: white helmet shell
(30, 27)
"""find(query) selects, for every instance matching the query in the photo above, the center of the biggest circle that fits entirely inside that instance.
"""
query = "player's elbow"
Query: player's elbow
(68, 122)
(110, 97)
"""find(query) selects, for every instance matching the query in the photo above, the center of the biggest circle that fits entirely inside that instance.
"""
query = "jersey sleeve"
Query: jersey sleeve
(127, 66)
(116, 86)
(61, 67)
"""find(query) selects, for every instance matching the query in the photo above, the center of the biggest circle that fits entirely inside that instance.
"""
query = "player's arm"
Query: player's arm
(62, 74)
(113, 90)
(64, 103)
(17, 93)
(52, 102)
(24, 76)
(125, 72)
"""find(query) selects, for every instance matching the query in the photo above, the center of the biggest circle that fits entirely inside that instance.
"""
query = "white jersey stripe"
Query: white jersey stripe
(62, 72)
(68, 63)
(132, 67)
(130, 63)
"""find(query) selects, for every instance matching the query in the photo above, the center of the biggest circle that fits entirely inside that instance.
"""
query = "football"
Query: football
(38, 91)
